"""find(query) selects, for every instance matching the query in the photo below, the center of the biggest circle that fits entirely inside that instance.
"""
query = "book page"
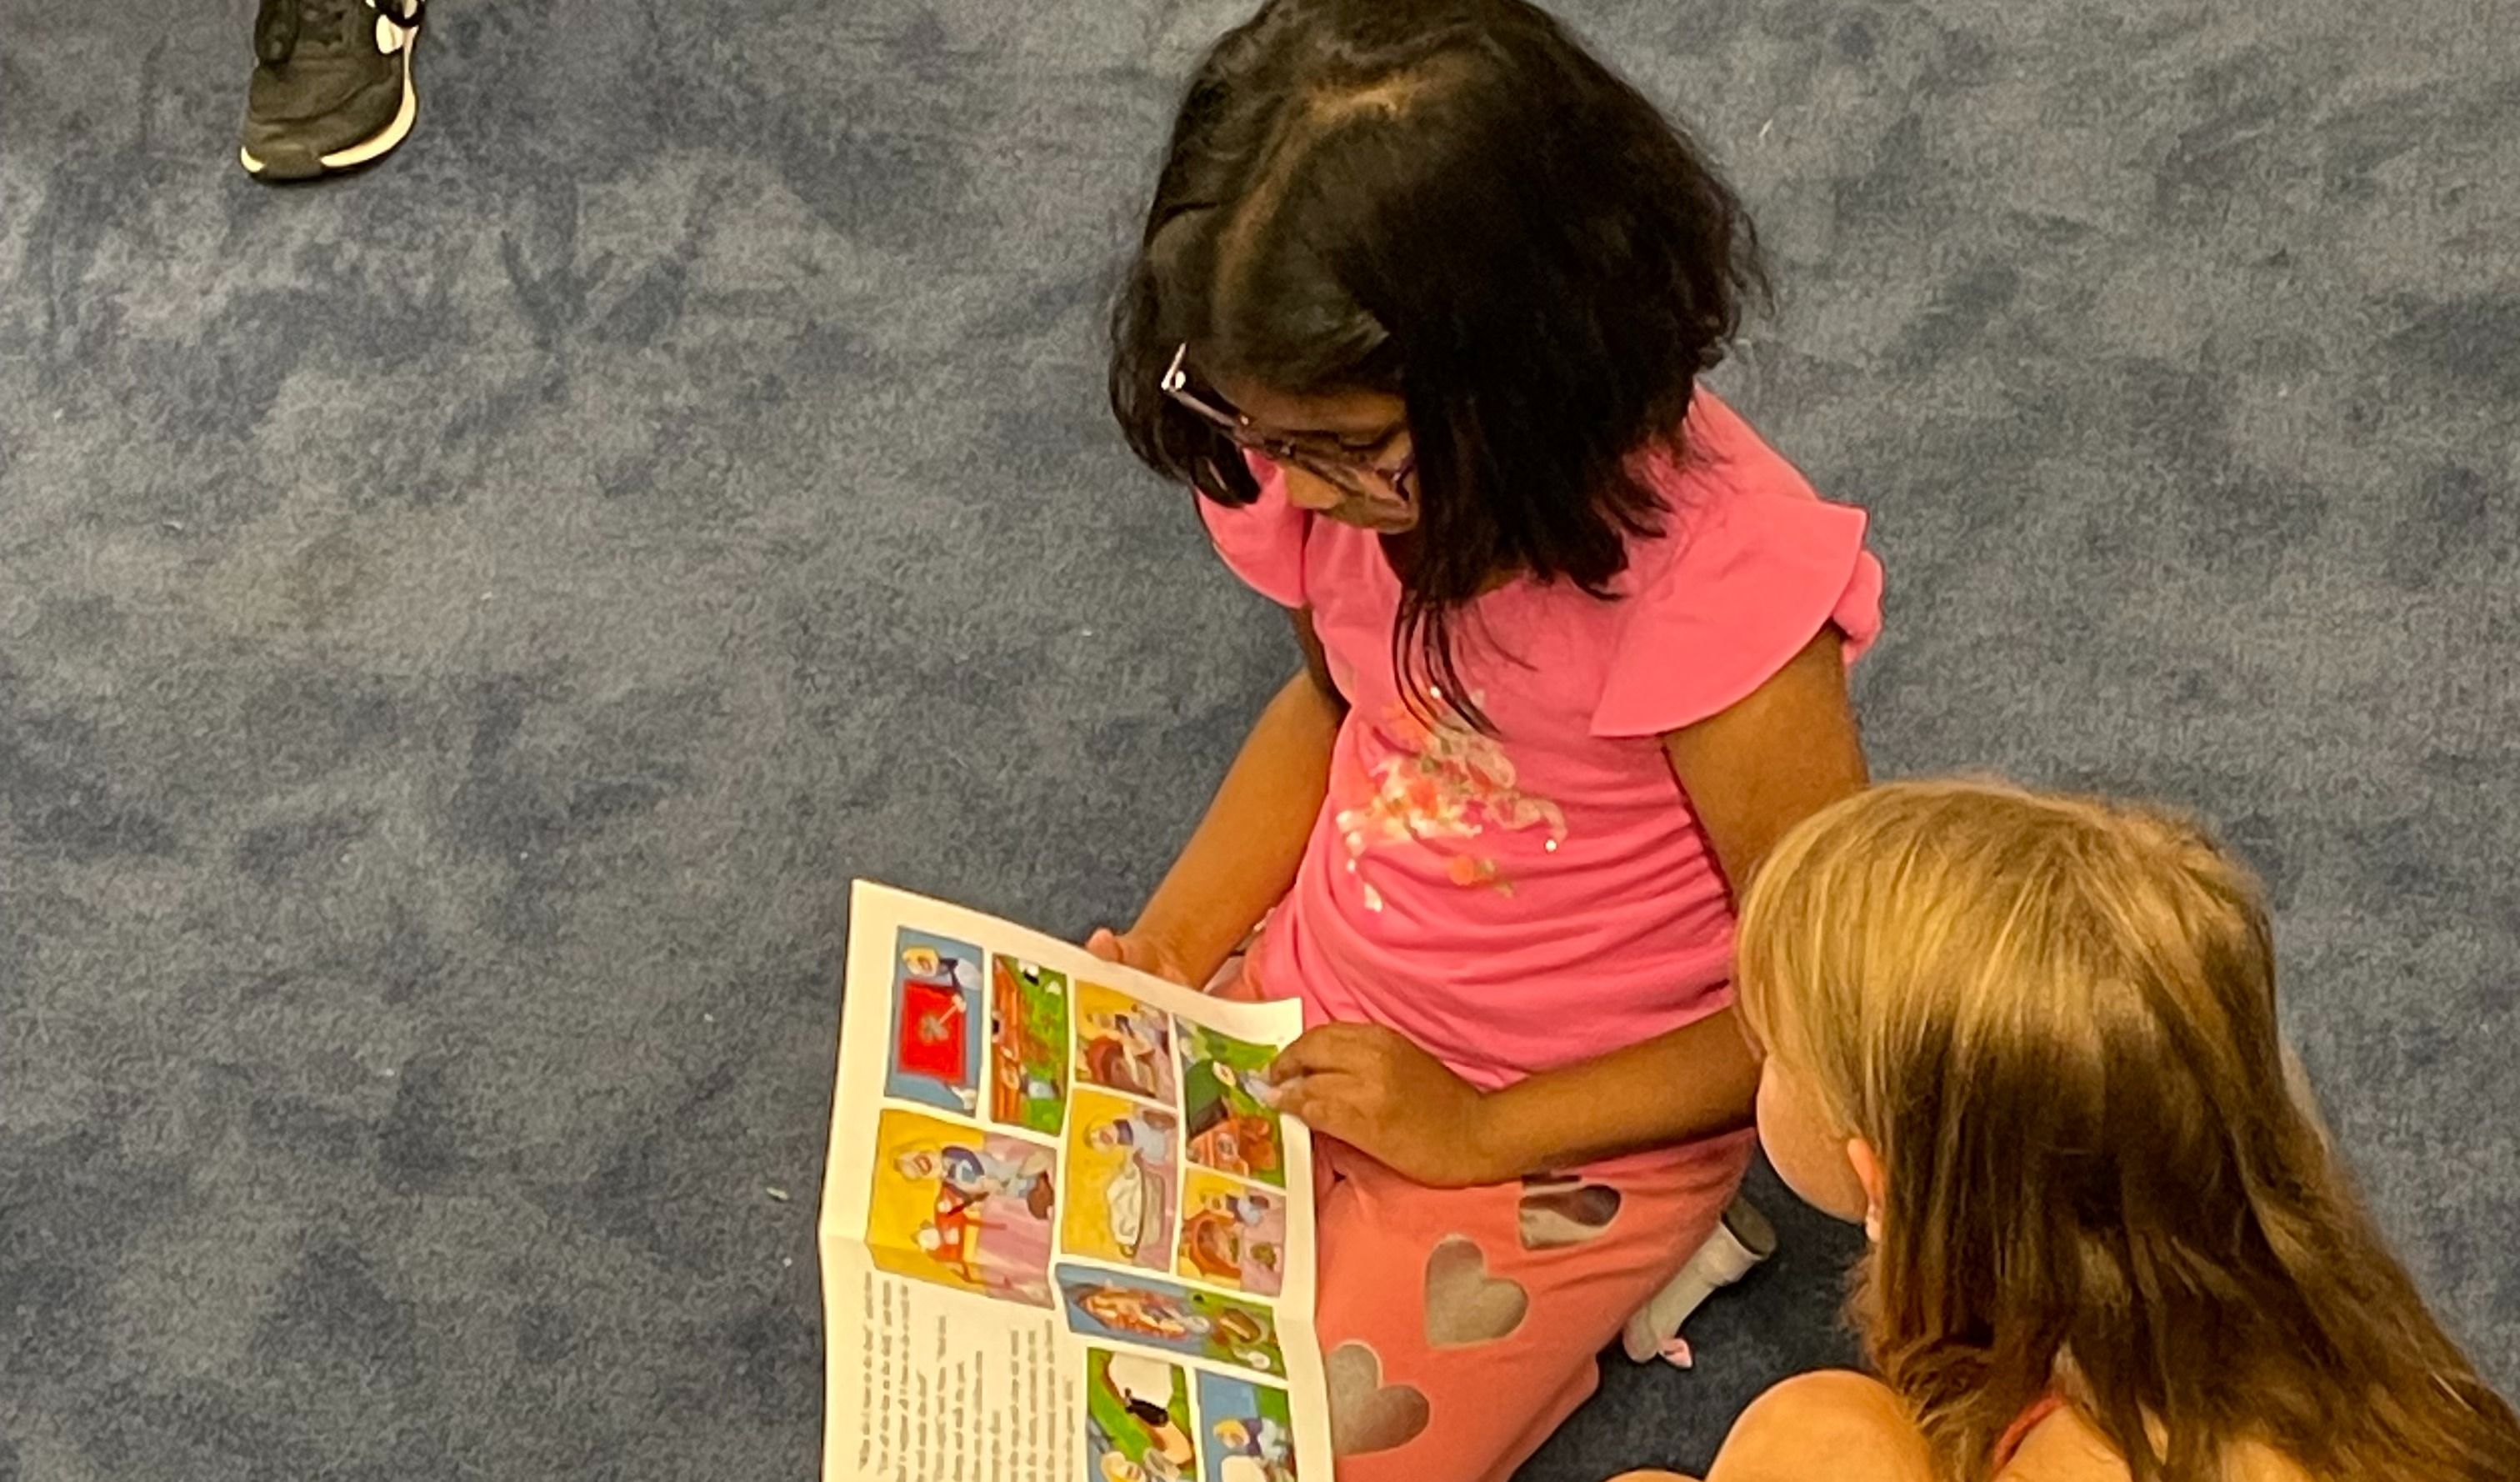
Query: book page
(1061, 1237)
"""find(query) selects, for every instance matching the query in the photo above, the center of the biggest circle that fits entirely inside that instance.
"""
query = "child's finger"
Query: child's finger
(1316, 1101)
(1327, 1047)
(1105, 944)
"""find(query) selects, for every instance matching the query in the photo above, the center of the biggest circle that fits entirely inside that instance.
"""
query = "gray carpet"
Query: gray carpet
(460, 628)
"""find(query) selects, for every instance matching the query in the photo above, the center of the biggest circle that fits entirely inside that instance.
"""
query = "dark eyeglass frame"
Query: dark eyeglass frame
(1352, 475)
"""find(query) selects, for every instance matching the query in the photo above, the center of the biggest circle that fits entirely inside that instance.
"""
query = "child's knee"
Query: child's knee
(1833, 1423)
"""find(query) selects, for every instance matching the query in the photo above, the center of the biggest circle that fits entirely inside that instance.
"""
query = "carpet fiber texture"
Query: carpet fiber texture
(460, 628)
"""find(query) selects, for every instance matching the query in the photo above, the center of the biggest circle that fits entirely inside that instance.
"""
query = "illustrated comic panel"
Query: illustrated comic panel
(1224, 1125)
(935, 1050)
(1138, 1425)
(1139, 1309)
(1123, 1181)
(964, 1209)
(1246, 1430)
(1232, 1233)
(1122, 1045)
(1028, 1044)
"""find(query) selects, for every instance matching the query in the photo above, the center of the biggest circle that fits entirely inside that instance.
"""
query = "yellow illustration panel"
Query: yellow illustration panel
(1123, 1045)
(1123, 1177)
(963, 1207)
(1232, 1234)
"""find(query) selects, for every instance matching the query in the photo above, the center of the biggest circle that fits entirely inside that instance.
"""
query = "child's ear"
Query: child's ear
(1866, 1164)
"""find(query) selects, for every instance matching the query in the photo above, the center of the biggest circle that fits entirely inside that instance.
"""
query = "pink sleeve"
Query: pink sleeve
(1263, 542)
(1751, 581)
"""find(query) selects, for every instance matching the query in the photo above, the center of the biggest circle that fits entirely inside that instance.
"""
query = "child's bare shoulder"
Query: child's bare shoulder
(2070, 1449)
(2067, 1448)
(1847, 1428)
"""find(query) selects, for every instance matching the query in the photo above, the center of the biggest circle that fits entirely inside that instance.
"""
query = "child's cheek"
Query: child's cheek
(1809, 1156)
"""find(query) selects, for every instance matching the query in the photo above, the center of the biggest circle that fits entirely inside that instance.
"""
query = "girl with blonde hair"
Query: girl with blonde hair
(2031, 1043)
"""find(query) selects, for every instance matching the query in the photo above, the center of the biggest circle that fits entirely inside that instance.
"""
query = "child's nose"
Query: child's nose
(1308, 490)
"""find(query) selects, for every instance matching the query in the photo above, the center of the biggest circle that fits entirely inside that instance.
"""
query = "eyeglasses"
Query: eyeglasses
(1350, 472)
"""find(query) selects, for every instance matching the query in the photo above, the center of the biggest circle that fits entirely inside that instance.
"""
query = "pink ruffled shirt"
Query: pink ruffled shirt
(1543, 894)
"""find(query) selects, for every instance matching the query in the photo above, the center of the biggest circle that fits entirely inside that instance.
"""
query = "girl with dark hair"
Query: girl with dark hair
(1420, 310)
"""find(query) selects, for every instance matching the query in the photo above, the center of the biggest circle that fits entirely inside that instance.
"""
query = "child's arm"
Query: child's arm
(1751, 772)
(1242, 857)
(1776, 756)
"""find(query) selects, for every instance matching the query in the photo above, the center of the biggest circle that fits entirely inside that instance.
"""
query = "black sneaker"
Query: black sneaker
(331, 86)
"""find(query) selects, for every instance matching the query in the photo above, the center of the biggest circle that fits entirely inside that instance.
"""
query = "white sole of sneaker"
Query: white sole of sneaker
(367, 148)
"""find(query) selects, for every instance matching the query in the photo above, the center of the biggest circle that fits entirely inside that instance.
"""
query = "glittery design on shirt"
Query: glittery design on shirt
(1439, 782)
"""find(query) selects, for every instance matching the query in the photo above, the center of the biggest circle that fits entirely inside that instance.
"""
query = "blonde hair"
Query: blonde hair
(2054, 1020)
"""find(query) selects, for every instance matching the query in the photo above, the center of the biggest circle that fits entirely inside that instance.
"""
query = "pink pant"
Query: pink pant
(1460, 1325)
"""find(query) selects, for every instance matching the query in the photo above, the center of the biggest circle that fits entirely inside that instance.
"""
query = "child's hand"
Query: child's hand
(1374, 1091)
(1133, 949)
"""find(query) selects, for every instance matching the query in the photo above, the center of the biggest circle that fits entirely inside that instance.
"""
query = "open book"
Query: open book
(1061, 1239)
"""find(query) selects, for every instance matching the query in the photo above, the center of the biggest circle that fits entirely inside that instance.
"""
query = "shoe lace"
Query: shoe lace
(279, 25)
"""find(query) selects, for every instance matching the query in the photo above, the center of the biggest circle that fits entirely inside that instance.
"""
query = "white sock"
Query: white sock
(1743, 1239)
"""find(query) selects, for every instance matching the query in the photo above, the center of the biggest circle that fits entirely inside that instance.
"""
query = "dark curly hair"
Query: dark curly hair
(1453, 202)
